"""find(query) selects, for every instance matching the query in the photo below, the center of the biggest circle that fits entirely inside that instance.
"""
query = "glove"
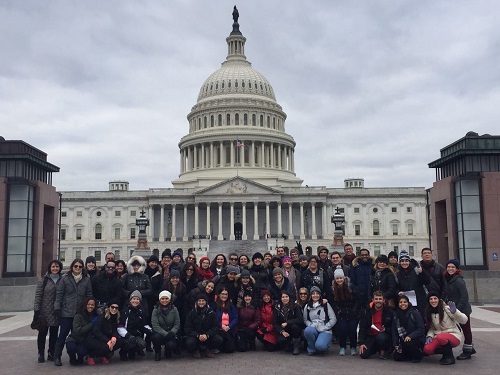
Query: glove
(170, 335)
(428, 340)
(263, 330)
(94, 321)
(452, 306)
(36, 314)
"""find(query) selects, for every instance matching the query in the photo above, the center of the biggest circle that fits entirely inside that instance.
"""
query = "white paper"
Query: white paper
(411, 296)
(375, 328)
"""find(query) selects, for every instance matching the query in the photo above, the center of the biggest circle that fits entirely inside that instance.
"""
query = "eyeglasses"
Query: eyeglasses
(113, 307)
(191, 258)
(190, 269)
(77, 266)
(303, 294)
(233, 258)
(110, 267)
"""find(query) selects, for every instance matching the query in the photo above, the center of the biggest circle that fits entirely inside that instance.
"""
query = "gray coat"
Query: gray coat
(455, 290)
(45, 297)
(164, 324)
(70, 295)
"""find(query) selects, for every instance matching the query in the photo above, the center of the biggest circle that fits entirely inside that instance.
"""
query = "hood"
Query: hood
(356, 261)
(140, 259)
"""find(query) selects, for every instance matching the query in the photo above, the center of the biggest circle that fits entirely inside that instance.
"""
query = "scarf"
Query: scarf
(205, 274)
(77, 277)
(166, 271)
(286, 309)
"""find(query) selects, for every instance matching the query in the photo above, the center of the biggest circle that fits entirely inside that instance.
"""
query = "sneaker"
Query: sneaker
(354, 351)
(104, 360)
(216, 351)
(383, 356)
(342, 351)
(90, 361)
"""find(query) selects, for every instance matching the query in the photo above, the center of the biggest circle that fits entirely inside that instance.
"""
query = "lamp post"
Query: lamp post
(142, 248)
(338, 219)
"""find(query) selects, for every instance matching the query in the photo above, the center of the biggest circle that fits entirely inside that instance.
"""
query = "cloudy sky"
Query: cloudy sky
(372, 89)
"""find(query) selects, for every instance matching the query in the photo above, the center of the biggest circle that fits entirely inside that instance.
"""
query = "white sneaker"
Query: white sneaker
(342, 351)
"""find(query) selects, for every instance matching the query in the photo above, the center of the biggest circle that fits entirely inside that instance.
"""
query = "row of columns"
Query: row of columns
(261, 154)
(244, 220)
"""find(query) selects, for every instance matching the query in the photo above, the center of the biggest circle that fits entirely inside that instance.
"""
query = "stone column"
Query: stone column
(151, 223)
(255, 221)
(220, 237)
(302, 234)
(196, 230)
(232, 153)
(268, 219)
(324, 228)
(185, 234)
(262, 155)
(208, 219)
(212, 156)
(280, 226)
(279, 156)
(181, 158)
(202, 155)
(314, 236)
(231, 236)
(195, 158)
(162, 222)
(244, 223)
(252, 155)
(292, 162)
(271, 156)
(290, 221)
(221, 154)
(189, 159)
(174, 237)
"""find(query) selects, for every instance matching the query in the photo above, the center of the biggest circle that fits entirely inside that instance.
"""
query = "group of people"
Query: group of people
(286, 301)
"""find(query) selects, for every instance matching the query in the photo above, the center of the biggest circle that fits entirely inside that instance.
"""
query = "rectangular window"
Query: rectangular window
(117, 233)
(410, 229)
(64, 214)
(117, 254)
(133, 213)
(394, 229)
(97, 255)
(132, 233)
(376, 250)
(79, 213)
(411, 250)
(62, 255)
(356, 210)
(78, 254)
(63, 234)
(78, 233)
(357, 230)
(341, 210)
(409, 210)
(394, 209)
(396, 249)
(118, 213)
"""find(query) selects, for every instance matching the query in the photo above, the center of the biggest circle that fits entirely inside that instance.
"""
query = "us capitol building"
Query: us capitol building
(237, 188)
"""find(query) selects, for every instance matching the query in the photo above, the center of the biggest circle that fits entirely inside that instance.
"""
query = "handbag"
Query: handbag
(39, 323)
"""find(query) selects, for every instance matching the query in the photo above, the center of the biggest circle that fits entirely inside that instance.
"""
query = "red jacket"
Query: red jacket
(267, 319)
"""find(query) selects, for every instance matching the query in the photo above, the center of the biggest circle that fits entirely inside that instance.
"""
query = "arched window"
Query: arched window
(228, 119)
(205, 121)
(219, 119)
(236, 119)
(261, 120)
(253, 119)
(212, 121)
(98, 231)
(245, 119)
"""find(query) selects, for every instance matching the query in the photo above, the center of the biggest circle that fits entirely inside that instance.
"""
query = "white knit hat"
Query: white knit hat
(165, 293)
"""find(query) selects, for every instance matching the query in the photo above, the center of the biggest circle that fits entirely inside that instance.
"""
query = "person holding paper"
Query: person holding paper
(410, 277)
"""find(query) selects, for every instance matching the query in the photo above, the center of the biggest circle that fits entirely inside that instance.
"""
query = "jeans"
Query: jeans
(317, 340)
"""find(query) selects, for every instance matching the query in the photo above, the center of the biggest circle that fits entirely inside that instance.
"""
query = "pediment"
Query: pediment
(238, 186)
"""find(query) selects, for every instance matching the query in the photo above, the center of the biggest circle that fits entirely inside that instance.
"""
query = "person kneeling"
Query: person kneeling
(288, 322)
(408, 332)
(319, 319)
(166, 323)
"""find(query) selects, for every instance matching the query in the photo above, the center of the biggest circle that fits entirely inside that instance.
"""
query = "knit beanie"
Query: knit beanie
(404, 255)
(135, 293)
(278, 270)
(302, 257)
(166, 253)
(338, 273)
(455, 262)
(315, 289)
(90, 259)
(257, 255)
(165, 293)
(232, 269)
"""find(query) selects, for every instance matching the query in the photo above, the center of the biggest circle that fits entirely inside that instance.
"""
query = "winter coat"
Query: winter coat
(137, 281)
(261, 276)
(267, 323)
(201, 322)
(233, 318)
(385, 281)
(455, 290)
(319, 278)
(224, 283)
(133, 320)
(106, 327)
(294, 278)
(345, 308)
(242, 288)
(331, 270)
(360, 276)
(165, 323)
(448, 325)
(408, 279)
(82, 326)
(70, 294)
(365, 323)
(106, 287)
(249, 317)
(414, 327)
(294, 316)
(276, 291)
(45, 296)
(319, 318)
(436, 273)
(193, 296)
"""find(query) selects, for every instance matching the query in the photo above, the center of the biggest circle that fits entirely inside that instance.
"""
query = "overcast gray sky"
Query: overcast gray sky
(372, 89)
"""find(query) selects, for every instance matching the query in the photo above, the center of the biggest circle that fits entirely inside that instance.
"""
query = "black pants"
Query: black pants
(97, 348)
(76, 351)
(158, 340)
(213, 342)
(246, 338)
(42, 337)
(228, 341)
(374, 343)
(295, 332)
(411, 350)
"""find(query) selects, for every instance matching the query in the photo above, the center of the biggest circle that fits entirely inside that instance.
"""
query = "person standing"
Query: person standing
(71, 291)
(360, 274)
(435, 271)
(45, 297)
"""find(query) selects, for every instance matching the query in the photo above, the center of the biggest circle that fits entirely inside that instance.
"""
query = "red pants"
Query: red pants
(441, 340)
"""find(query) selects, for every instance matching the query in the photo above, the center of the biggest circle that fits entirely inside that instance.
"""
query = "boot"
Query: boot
(157, 356)
(196, 354)
(57, 353)
(467, 352)
(448, 358)
(252, 345)
(50, 356)
(41, 358)
(72, 359)
(210, 353)
(296, 346)
(148, 343)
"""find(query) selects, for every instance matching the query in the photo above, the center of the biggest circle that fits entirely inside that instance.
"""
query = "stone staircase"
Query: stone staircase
(247, 247)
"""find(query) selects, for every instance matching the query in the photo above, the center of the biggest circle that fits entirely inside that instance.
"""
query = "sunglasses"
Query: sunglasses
(77, 266)
(303, 294)
(110, 267)
(190, 269)
(113, 307)
(233, 258)
(191, 258)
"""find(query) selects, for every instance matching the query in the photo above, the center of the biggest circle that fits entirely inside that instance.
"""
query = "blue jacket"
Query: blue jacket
(360, 275)
(233, 318)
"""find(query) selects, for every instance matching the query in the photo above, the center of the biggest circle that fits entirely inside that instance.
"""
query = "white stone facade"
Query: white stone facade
(237, 183)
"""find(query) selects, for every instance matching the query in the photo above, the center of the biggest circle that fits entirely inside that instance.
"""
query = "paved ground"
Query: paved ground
(19, 356)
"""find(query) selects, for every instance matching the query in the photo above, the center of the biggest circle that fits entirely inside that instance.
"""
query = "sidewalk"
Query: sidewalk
(19, 356)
